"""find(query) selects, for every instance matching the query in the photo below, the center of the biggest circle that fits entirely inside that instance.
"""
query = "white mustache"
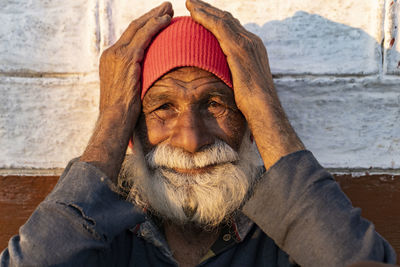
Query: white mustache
(167, 156)
(213, 195)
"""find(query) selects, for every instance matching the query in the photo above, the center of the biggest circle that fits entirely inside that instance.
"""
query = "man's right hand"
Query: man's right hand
(120, 105)
(120, 64)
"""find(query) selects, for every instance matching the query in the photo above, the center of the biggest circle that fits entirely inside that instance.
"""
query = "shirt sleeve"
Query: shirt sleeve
(74, 225)
(301, 207)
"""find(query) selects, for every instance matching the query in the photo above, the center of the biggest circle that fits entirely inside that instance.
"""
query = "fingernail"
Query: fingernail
(165, 17)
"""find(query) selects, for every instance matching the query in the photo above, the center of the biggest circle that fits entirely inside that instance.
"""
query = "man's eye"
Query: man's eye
(213, 104)
(216, 108)
(165, 111)
(164, 107)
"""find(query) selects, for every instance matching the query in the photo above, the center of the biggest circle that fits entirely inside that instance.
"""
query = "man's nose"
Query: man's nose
(190, 132)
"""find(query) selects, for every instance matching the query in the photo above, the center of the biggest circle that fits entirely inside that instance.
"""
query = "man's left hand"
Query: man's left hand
(254, 90)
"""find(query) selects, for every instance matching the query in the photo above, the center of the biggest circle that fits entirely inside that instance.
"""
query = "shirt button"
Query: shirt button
(226, 237)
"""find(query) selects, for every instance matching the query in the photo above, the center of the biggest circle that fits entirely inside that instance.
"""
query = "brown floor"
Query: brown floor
(377, 195)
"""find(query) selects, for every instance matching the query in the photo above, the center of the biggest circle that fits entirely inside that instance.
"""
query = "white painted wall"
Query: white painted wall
(336, 63)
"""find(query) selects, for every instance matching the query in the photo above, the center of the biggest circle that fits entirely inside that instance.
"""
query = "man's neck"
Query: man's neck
(189, 243)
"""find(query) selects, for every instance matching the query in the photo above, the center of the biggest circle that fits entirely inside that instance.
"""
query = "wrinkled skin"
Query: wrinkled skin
(256, 102)
(120, 105)
(254, 93)
(254, 90)
(190, 108)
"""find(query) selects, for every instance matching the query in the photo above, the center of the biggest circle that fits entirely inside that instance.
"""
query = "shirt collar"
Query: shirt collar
(241, 226)
(231, 234)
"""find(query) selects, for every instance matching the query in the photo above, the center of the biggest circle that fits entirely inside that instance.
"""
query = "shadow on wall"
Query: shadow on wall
(344, 111)
(311, 44)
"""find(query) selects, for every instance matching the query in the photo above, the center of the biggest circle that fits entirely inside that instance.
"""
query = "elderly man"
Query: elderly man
(197, 95)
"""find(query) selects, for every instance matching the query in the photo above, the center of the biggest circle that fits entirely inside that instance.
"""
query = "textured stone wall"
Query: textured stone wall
(336, 66)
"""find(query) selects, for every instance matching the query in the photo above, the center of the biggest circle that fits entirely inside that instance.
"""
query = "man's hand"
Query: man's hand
(254, 90)
(120, 105)
(120, 64)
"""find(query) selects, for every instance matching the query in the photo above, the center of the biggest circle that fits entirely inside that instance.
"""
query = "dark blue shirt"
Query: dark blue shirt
(297, 209)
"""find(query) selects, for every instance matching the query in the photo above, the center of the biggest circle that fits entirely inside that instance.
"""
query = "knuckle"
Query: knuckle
(106, 53)
(133, 23)
(119, 53)
(237, 21)
(147, 28)
(220, 23)
(105, 56)
(137, 54)
(257, 41)
(227, 21)
(249, 41)
(114, 54)
(244, 43)
(153, 21)
(226, 15)
(255, 38)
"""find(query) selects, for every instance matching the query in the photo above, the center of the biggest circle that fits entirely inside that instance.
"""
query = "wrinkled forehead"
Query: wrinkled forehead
(187, 79)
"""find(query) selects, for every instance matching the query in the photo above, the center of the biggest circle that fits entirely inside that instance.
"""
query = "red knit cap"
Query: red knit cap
(183, 43)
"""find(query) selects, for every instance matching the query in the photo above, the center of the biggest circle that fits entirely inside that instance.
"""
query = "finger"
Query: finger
(221, 23)
(192, 4)
(134, 26)
(164, 8)
(142, 38)
(220, 28)
(134, 72)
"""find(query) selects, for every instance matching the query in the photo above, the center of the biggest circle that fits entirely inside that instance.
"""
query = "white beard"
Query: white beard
(204, 199)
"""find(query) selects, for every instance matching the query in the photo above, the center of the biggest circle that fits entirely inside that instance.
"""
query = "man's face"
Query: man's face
(198, 162)
(190, 108)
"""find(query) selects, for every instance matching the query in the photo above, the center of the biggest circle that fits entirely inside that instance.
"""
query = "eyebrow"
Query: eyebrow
(216, 94)
(162, 96)
(225, 97)
(153, 100)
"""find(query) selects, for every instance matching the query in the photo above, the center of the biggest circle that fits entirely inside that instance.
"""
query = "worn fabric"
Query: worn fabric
(297, 209)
